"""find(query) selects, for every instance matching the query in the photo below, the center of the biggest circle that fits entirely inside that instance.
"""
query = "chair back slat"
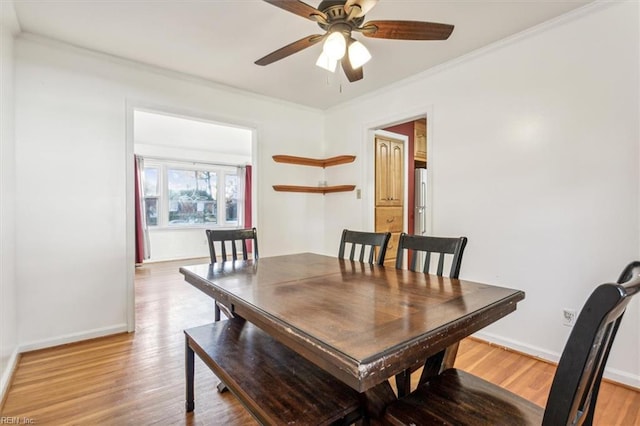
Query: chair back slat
(244, 249)
(414, 244)
(575, 386)
(353, 251)
(371, 253)
(440, 264)
(363, 242)
(427, 262)
(233, 237)
(223, 246)
(234, 251)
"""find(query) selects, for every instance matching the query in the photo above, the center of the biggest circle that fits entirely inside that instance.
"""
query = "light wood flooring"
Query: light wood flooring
(138, 378)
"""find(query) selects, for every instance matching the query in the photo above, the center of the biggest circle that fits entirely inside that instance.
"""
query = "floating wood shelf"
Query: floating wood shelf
(314, 189)
(316, 162)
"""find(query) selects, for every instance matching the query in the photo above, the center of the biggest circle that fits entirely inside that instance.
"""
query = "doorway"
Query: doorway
(416, 204)
(200, 176)
(194, 177)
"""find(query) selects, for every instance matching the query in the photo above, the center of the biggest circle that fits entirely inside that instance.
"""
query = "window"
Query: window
(192, 196)
(151, 195)
(186, 195)
(231, 197)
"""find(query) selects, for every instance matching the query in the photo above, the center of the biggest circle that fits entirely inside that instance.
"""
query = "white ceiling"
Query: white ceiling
(219, 40)
(173, 131)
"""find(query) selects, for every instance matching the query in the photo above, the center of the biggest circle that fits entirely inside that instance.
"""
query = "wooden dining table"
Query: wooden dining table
(362, 323)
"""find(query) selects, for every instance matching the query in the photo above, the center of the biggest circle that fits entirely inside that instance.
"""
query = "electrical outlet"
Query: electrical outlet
(569, 317)
(358, 194)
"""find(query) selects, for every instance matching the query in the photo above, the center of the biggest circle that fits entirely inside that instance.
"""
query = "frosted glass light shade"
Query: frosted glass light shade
(335, 46)
(326, 62)
(358, 54)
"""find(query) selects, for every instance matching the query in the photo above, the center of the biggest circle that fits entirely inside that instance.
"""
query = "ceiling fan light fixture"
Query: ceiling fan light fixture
(339, 19)
(326, 62)
(335, 46)
(358, 54)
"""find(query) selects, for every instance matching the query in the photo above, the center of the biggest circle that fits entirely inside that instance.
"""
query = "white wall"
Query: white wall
(8, 288)
(534, 157)
(73, 251)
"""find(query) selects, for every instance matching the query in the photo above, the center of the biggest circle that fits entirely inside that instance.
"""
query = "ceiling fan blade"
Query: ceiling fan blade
(352, 74)
(407, 30)
(298, 8)
(289, 49)
(365, 6)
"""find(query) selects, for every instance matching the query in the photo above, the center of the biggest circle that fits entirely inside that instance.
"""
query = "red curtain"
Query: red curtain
(139, 223)
(247, 197)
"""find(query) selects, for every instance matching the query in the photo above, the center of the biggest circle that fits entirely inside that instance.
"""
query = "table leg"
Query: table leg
(376, 399)
(433, 366)
(450, 356)
(216, 311)
(438, 363)
(189, 373)
(403, 383)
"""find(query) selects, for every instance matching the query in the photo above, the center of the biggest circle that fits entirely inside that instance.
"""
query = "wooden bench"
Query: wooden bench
(273, 382)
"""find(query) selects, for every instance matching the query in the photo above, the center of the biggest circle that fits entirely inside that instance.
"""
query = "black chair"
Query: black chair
(630, 271)
(231, 237)
(443, 248)
(365, 241)
(460, 398)
(431, 245)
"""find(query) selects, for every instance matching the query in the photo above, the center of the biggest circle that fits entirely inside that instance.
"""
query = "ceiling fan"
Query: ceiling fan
(340, 19)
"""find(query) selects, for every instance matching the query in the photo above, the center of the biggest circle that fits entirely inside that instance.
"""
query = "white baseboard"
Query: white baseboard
(74, 337)
(5, 380)
(612, 374)
(519, 346)
(623, 377)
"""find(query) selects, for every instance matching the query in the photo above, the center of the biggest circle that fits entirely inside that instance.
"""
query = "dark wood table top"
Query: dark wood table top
(360, 322)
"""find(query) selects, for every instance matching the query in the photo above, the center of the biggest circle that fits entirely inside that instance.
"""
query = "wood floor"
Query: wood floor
(138, 378)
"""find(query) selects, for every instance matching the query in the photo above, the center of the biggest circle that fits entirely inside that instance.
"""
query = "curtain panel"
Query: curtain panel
(142, 230)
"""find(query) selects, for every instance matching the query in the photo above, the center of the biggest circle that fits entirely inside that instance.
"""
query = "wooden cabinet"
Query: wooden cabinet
(389, 219)
(420, 140)
(389, 172)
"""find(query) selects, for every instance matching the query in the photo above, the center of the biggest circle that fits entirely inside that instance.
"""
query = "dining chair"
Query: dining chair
(628, 273)
(460, 398)
(442, 247)
(365, 242)
(421, 248)
(246, 238)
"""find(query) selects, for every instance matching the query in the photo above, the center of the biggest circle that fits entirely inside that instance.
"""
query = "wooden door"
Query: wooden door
(389, 172)
(396, 174)
(383, 153)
